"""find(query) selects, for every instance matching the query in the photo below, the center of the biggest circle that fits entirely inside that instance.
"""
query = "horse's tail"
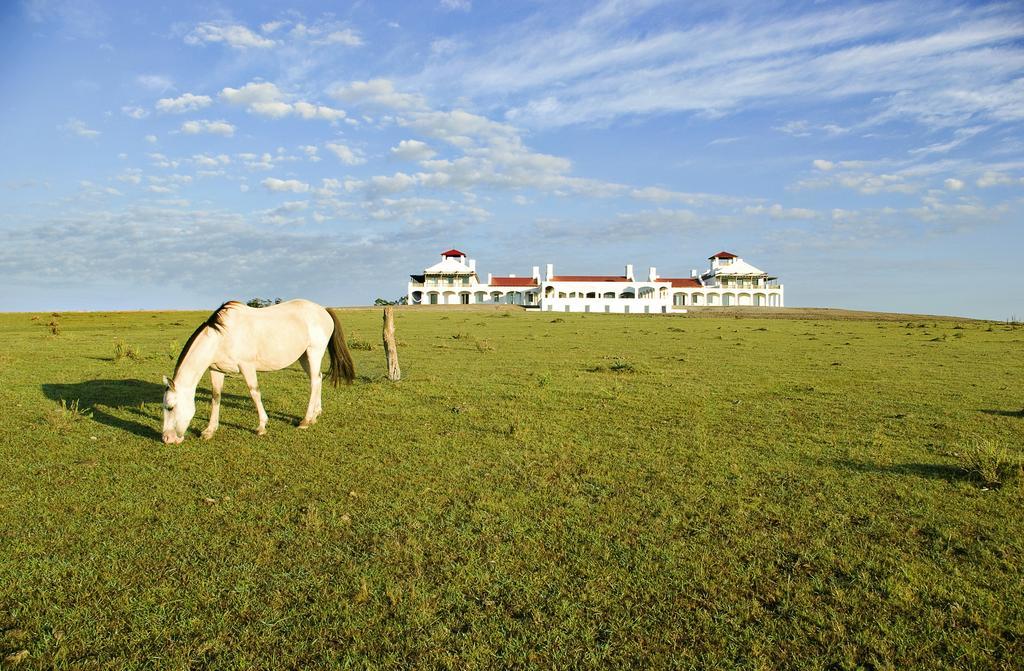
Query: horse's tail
(341, 359)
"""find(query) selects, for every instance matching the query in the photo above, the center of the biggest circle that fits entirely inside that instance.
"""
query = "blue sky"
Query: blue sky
(869, 154)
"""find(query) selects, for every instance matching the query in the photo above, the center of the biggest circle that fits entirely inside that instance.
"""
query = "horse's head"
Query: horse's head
(178, 412)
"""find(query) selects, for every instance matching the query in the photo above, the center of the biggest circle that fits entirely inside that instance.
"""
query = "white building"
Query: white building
(729, 281)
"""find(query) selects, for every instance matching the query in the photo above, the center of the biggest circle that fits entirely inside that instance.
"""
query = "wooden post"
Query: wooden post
(390, 347)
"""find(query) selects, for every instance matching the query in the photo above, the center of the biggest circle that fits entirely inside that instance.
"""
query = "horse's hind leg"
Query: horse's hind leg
(311, 364)
(249, 374)
(216, 385)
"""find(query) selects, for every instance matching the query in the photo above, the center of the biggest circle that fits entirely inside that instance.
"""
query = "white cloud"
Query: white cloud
(210, 161)
(310, 150)
(152, 139)
(393, 183)
(960, 136)
(804, 128)
(134, 112)
(379, 92)
(456, 5)
(413, 150)
(265, 99)
(186, 102)
(642, 62)
(992, 178)
(311, 111)
(158, 83)
(347, 155)
(235, 36)
(205, 126)
(778, 212)
(78, 127)
(274, 110)
(131, 176)
(461, 128)
(285, 185)
(822, 164)
(954, 184)
(271, 26)
(253, 92)
(345, 36)
(658, 194)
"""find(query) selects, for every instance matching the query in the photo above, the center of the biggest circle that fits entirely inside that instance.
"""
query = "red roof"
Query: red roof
(513, 282)
(680, 281)
(453, 252)
(588, 278)
(724, 255)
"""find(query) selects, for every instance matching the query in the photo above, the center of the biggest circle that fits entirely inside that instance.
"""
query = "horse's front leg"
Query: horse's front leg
(216, 385)
(249, 374)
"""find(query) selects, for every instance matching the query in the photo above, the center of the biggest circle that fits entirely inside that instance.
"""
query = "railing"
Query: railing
(440, 285)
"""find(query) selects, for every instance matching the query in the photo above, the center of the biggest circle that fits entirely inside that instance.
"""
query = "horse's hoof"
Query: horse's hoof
(206, 435)
(261, 432)
(304, 425)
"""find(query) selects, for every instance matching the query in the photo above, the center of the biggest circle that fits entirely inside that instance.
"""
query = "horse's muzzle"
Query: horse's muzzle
(173, 439)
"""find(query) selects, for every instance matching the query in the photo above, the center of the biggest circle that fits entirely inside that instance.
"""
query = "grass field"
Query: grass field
(540, 490)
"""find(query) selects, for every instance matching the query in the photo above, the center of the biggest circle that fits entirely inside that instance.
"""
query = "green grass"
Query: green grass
(588, 491)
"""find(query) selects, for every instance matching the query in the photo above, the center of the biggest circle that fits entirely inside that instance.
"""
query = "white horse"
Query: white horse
(240, 339)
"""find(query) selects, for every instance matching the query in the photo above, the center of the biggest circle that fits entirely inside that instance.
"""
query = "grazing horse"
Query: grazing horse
(240, 339)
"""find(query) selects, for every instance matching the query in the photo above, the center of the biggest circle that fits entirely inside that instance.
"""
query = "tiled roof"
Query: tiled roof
(681, 282)
(513, 282)
(453, 252)
(723, 255)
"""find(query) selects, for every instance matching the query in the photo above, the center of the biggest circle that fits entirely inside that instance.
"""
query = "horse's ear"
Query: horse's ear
(168, 383)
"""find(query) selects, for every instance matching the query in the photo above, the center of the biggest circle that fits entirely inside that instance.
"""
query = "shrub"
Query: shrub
(616, 366)
(65, 416)
(991, 463)
(360, 345)
(622, 367)
(123, 350)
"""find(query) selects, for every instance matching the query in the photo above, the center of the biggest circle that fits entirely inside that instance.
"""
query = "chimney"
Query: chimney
(653, 275)
(472, 264)
(550, 272)
(629, 272)
(489, 277)
(511, 274)
(536, 274)
(693, 272)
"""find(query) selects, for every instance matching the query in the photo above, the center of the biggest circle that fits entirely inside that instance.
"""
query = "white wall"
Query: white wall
(611, 305)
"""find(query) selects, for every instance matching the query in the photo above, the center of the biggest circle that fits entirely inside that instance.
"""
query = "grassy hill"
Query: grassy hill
(541, 489)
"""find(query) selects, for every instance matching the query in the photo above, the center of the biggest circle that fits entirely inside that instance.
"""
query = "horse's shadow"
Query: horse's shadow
(949, 473)
(128, 397)
(98, 397)
(1005, 413)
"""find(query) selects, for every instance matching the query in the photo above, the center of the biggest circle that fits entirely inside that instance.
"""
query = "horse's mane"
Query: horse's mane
(215, 321)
